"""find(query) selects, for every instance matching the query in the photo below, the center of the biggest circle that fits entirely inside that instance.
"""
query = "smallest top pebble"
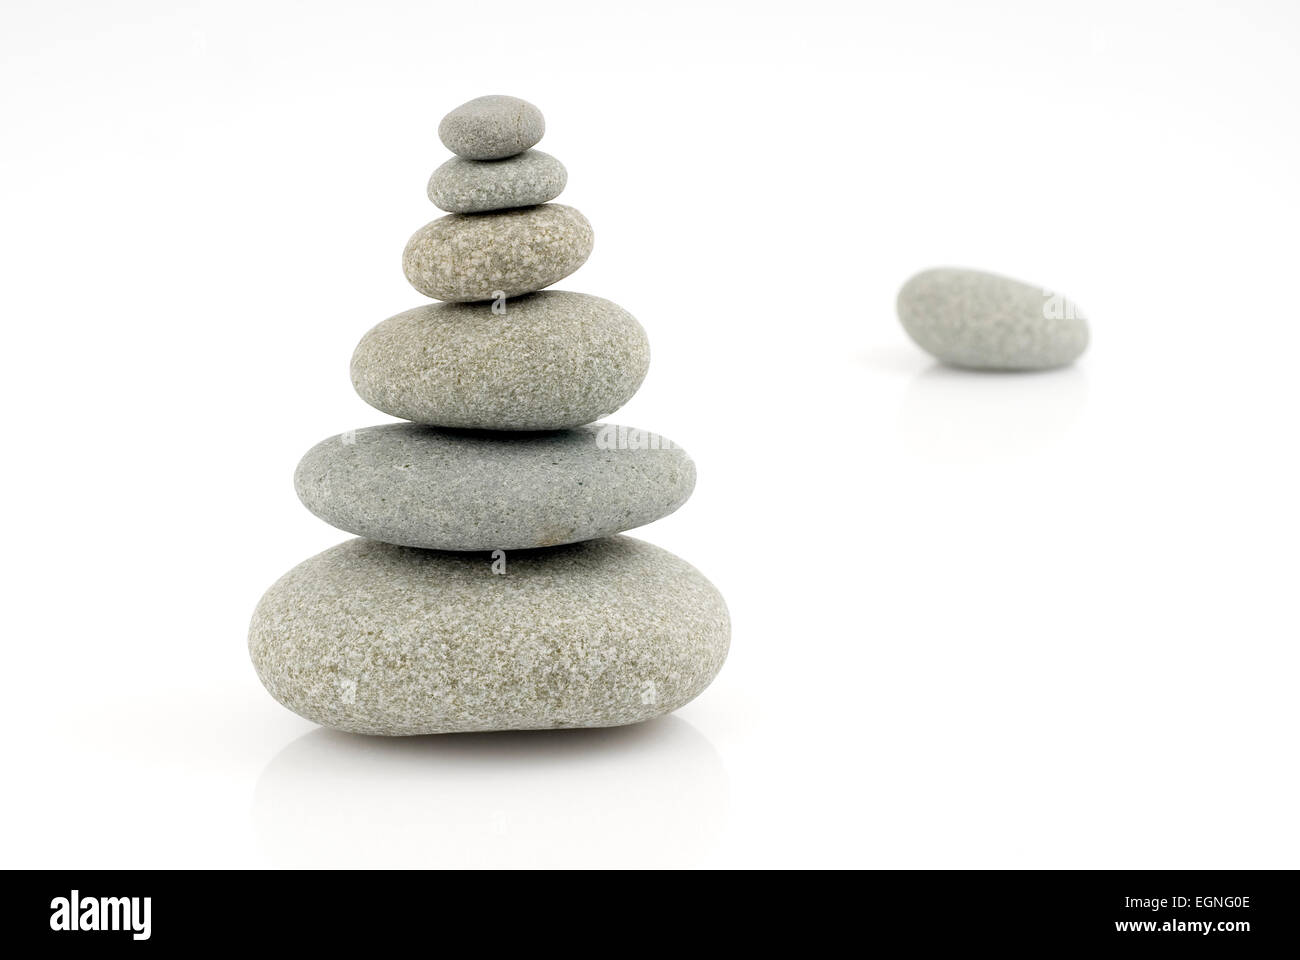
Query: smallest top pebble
(491, 128)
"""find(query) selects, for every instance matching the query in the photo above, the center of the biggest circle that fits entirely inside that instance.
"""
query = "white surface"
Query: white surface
(1043, 620)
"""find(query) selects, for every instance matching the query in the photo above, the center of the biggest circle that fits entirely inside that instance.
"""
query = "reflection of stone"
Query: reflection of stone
(653, 794)
(961, 415)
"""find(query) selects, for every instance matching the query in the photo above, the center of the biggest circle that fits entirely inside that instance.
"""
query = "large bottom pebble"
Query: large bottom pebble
(373, 638)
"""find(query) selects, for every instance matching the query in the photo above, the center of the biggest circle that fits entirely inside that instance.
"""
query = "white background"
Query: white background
(979, 621)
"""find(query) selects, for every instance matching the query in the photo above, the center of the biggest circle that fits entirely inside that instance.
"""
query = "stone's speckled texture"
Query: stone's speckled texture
(472, 256)
(553, 360)
(475, 186)
(490, 128)
(973, 319)
(378, 639)
(465, 490)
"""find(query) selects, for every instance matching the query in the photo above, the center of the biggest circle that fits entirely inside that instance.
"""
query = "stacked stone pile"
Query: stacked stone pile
(488, 588)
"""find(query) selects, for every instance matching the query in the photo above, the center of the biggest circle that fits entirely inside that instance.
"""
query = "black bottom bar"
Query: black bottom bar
(1225, 911)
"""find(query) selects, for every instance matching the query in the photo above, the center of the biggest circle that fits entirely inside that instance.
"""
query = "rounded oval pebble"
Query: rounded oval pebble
(980, 320)
(372, 638)
(492, 127)
(545, 361)
(475, 490)
(483, 256)
(475, 186)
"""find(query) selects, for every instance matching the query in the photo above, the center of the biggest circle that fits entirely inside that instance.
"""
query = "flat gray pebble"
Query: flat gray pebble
(983, 321)
(469, 490)
(475, 186)
(491, 128)
(551, 360)
(478, 256)
(376, 639)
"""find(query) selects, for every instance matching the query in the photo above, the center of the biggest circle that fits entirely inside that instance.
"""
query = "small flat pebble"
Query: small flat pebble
(480, 256)
(968, 318)
(377, 639)
(491, 128)
(476, 490)
(475, 186)
(543, 361)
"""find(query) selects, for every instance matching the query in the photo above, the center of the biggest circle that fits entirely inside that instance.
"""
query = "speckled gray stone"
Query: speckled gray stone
(475, 186)
(471, 490)
(973, 319)
(376, 639)
(552, 360)
(479, 256)
(492, 127)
